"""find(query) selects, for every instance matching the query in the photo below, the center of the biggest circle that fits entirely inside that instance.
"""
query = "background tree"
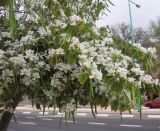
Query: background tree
(154, 36)
(154, 29)
(147, 38)
(123, 30)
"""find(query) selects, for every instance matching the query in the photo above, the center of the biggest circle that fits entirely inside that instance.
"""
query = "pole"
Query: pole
(131, 23)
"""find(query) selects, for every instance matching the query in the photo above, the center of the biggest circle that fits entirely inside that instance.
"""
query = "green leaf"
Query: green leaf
(82, 78)
(52, 60)
(133, 95)
(151, 92)
(91, 92)
(115, 105)
(12, 19)
(4, 2)
(42, 17)
(71, 58)
(68, 35)
(83, 101)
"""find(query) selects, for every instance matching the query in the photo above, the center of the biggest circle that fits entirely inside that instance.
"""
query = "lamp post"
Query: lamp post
(131, 21)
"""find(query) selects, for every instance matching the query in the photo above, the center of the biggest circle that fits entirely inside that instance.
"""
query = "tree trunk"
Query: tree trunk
(6, 117)
(5, 120)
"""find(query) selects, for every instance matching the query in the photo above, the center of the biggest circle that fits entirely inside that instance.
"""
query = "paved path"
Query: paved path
(47, 122)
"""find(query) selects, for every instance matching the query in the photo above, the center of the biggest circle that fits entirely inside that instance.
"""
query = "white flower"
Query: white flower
(18, 60)
(7, 43)
(36, 75)
(132, 80)
(111, 71)
(63, 67)
(75, 43)
(94, 65)
(156, 81)
(146, 79)
(5, 34)
(137, 71)
(107, 40)
(55, 1)
(11, 52)
(44, 32)
(100, 60)
(28, 39)
(95, 30)
(52, 52)
(60, 51)
(41, 64)
(58, 23)
(137, 65)
(84, 45)
(1, 53)
(124, 63)
(122, 72)
(36, 3)
(94, 54)
(76, 72)
(87, 64)
(47, 67)
(152, 51)
(26, 81)
(30, 32)
(138, 45)
(7, 73)
(82, 57)
(74, 18)
(52, 81)
(63, 35)
(26, 72)
(102, 89)
(31, 56)
(138, 84)
(62, 13)
(59, 75)
(96, 74)
(144, 50)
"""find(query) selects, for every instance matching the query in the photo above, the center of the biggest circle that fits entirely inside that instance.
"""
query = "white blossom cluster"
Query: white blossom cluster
(26, 64)
(113, 62)
(55, 57)
(99, 60)
(27, 40)
(58, 51)
(150, 50)
(74, 43)
(44, 32)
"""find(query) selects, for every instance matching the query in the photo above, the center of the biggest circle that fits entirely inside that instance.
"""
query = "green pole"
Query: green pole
(131, 22)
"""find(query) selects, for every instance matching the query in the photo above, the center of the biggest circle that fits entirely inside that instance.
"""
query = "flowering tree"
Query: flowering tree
(53, 52)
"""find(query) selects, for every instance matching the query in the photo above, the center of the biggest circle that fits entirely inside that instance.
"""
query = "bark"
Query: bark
(5, 120)
(6, 117)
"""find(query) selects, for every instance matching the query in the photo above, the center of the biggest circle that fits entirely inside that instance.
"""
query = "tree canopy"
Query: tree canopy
(52, 51)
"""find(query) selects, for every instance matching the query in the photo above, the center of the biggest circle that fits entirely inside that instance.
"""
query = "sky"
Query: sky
(149, 10)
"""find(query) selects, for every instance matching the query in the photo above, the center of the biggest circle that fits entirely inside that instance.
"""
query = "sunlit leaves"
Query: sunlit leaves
(82, 78)
(12, 18)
